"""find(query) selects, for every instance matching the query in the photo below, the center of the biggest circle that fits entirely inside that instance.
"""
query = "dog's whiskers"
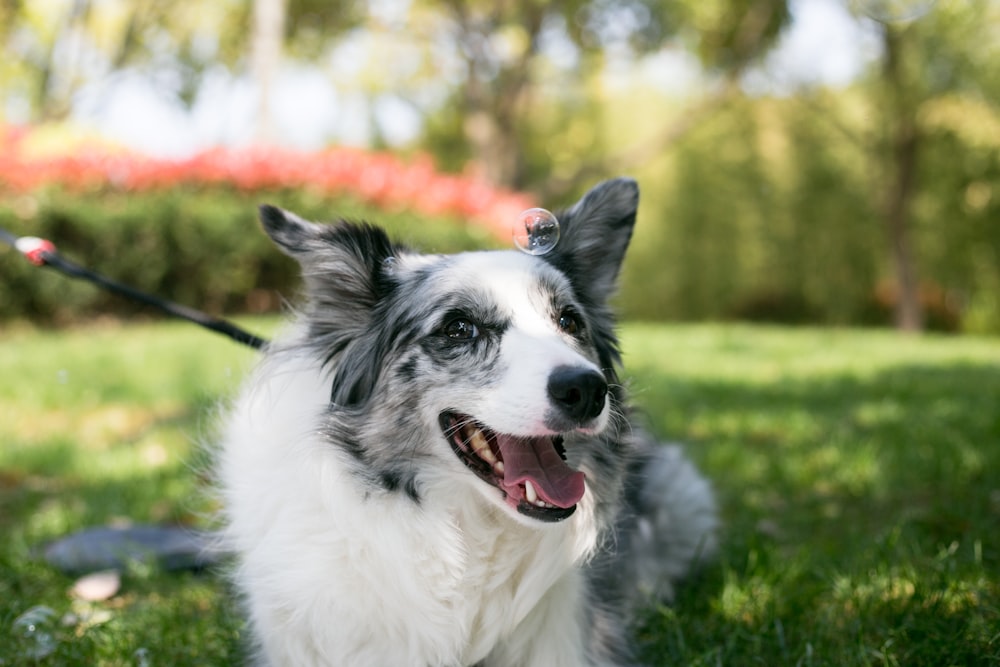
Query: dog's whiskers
(618, 416)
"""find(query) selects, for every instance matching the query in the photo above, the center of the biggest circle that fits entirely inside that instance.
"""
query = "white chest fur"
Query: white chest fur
(335, 575)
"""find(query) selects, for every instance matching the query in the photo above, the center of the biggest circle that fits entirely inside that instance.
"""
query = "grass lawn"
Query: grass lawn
(858, 474)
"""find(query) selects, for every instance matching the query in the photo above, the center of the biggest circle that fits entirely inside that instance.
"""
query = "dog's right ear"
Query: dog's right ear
(293, 235)
(345, 274)
(342, 264)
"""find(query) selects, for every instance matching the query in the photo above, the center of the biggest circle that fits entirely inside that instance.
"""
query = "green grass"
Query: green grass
(100, 425)
(858, 474)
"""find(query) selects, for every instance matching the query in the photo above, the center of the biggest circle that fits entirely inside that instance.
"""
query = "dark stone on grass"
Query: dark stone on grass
(108, 548)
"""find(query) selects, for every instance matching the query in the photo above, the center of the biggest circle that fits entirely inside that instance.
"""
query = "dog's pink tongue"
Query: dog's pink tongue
(536, 460)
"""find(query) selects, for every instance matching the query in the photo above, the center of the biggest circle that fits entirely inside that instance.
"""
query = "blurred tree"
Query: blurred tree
(835, 198)
(310, 26)
(925, 60)
(501, 45)
(54, 48)
(811, 203)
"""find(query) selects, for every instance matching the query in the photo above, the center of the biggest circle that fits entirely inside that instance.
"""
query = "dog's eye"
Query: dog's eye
(461, 328)
(569, 322)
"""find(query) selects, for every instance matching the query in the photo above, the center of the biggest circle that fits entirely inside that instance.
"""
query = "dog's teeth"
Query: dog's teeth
(498, 467)
(529, 492)
(482, 447)
(476, 439)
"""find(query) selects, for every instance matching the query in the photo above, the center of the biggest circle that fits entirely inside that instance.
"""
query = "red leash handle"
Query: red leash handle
(34, 249)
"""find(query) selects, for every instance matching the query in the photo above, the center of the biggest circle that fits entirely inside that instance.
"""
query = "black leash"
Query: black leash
(43, 253)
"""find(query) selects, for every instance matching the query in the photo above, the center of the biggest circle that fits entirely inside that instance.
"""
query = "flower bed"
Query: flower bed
(186, 229)
(380, 179)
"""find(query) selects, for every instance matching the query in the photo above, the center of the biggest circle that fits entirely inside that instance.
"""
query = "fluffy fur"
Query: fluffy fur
(359, 471)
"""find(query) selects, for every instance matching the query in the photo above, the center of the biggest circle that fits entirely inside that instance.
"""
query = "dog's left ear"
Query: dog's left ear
(594, 235)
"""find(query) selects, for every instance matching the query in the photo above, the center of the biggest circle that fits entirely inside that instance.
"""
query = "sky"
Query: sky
(825, 46)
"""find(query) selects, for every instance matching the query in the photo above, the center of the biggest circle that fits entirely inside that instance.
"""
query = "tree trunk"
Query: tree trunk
(265, 54)
(903, 154)
(496, 88)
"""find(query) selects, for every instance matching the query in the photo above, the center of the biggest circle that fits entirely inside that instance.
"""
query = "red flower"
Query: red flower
(381, 179)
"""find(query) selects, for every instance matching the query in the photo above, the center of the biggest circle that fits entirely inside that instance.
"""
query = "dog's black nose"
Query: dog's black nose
(578, 392)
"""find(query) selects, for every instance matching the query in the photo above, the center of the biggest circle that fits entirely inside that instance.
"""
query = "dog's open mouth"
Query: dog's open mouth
(530, 471)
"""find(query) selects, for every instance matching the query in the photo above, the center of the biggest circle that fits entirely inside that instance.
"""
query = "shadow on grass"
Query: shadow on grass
(862, 518)
(862, 521)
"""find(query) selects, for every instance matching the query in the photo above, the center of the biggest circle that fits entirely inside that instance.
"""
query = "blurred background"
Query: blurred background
(801, 161)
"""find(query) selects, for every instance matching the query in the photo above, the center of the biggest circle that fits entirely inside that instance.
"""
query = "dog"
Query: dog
(435, 463)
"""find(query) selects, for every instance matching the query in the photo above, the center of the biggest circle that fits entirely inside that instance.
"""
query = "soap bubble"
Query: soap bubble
(894, 11)
(536, 231)
(34, 633)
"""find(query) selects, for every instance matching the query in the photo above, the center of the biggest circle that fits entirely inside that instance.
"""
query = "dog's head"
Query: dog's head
(498, 363)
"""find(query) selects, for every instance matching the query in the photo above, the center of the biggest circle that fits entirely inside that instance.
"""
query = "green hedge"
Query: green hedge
(200, 246)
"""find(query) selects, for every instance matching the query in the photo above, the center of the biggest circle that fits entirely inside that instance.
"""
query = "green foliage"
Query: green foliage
(771, 210)
(768, 208)
(311, 25)
(775, 207)
(198, 246)
(855, 473)
(508, 76)
(755, 215)
(729, 35)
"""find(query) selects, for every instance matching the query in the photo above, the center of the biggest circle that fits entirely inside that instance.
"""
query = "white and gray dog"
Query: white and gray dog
(435, 464)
